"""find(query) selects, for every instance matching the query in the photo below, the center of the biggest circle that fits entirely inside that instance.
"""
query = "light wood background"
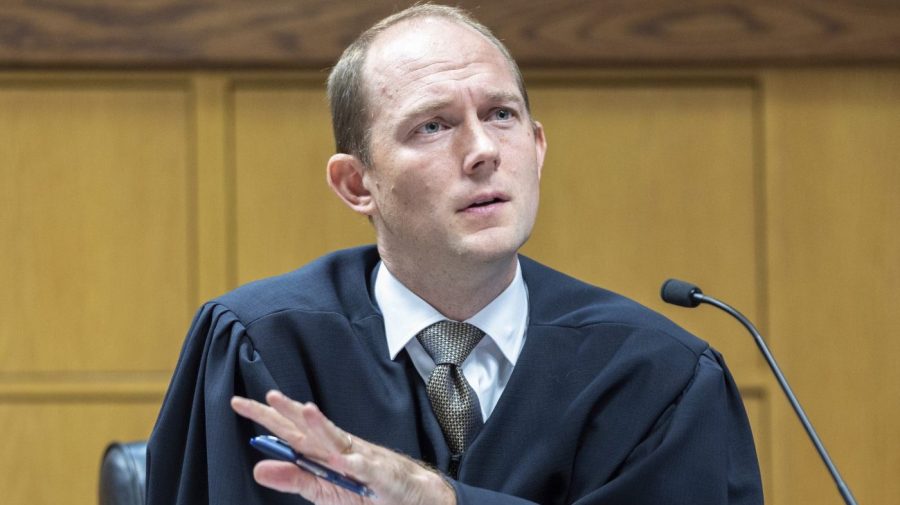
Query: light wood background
(128, 198)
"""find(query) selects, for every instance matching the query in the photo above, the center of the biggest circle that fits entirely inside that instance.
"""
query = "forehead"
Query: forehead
(430, 56)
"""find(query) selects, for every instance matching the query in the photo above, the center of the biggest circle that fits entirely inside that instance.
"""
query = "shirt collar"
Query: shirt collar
(405, 314)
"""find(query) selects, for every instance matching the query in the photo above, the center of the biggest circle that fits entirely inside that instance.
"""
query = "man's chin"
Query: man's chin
(491, 246)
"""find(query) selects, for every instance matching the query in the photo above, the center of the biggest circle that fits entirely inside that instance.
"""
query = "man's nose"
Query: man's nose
(482, 151)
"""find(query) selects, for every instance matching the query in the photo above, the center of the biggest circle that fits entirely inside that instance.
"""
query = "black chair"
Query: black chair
(123, 474)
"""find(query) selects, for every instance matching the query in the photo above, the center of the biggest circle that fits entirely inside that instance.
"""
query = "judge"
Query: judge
(439, 366)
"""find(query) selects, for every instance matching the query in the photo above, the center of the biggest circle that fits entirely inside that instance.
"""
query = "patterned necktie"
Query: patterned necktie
(452, 398)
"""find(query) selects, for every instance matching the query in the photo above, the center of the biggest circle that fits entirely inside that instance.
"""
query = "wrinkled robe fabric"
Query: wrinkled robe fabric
(609, 403)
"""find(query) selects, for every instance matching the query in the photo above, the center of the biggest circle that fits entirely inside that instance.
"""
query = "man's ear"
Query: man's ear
(540, 145)
(345, 177)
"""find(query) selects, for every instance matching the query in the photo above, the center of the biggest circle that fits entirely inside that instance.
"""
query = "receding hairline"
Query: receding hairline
(348, 88)
(425, 17)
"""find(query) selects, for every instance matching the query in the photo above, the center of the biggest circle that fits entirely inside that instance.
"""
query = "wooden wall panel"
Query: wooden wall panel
(52, 451)
(285, 213)
(833, 160)
(312, 33)
(650, 180)
(215, 185)
(95, 225)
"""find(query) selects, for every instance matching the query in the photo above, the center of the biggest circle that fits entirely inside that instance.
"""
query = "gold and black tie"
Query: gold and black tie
(452, 398)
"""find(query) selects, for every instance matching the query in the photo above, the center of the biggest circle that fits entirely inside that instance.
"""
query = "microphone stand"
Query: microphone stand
(688, 295)
(764, 349)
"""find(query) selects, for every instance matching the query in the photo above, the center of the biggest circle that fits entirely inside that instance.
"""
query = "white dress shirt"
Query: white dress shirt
(490, 364)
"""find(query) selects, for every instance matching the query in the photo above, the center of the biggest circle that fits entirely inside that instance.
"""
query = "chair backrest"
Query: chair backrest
(123, 474)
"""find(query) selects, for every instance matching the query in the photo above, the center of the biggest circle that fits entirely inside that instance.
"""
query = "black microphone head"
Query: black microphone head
(680, 293)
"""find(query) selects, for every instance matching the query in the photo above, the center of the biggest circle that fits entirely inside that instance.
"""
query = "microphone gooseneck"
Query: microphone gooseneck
(689, 295)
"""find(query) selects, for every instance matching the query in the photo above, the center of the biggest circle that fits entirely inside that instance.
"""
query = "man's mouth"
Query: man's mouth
(485, 200)
(485, 203)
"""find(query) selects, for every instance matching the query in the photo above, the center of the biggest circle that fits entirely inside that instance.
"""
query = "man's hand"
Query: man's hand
(395, 479)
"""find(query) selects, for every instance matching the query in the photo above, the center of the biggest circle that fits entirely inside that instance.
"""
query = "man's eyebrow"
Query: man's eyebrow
(430, 107)
(505, 97)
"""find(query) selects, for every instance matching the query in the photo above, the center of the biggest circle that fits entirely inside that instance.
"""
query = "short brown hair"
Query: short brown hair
(350, 116)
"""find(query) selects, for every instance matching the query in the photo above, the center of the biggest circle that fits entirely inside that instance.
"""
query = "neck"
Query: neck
(456, 291)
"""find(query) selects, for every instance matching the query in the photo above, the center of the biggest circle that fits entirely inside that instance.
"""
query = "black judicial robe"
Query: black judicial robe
(609, 403)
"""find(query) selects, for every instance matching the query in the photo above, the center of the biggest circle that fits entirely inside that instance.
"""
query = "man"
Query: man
(563, 393)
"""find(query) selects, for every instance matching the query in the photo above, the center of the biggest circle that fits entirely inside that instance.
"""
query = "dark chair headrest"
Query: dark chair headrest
(123, 474)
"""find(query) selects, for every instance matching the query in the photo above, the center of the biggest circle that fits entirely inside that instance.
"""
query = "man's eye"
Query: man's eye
(430, 127)
(503, 114)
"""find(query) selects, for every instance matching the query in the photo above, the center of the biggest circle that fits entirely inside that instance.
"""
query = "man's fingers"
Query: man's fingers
(391, 475)
(287, 478)
(302, 426)
(324, 440)
(340, 441)
(268, 417)
(284, 477)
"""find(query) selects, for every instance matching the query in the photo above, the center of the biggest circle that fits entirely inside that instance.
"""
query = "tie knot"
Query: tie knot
(450, 342)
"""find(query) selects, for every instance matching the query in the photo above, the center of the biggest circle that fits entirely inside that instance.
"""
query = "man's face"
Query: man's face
(456, 159)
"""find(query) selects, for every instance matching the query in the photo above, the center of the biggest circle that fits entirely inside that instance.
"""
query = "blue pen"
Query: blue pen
(276, 448)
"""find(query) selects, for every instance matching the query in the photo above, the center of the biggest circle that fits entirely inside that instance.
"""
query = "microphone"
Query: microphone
(680, 293)
(689, 295)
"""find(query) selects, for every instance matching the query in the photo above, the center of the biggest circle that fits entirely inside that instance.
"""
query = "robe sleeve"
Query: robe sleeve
(699, 452)
(192, 456)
